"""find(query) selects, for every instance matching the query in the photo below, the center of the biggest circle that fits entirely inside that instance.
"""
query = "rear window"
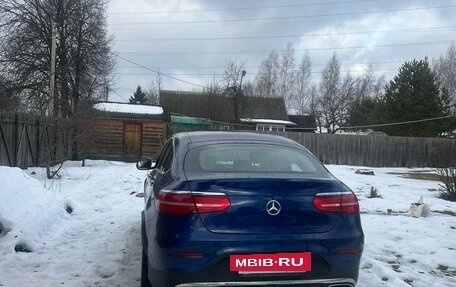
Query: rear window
(250, 158)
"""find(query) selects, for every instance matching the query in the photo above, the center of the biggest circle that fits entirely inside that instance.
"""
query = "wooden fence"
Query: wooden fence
(379, 151)
(27, 140)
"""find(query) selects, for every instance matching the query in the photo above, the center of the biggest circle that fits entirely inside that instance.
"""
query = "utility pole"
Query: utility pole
(238, 98)
(52, 96)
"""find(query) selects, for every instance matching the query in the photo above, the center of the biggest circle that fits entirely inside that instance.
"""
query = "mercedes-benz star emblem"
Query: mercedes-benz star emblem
(273, 207)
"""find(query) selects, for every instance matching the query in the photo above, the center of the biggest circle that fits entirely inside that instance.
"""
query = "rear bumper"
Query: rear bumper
(315, 282)
(219, 275)
(329, 268)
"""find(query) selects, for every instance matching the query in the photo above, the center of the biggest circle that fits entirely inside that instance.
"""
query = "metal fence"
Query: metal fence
(379, 151)
(27, 140)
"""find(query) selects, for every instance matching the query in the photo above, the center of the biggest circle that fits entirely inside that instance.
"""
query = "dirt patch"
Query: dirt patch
(419, 175)
(446, 212)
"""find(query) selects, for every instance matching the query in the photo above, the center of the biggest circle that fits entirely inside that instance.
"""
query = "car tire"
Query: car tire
(144, 271)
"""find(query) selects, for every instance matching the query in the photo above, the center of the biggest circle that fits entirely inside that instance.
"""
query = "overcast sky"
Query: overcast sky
(183, 37)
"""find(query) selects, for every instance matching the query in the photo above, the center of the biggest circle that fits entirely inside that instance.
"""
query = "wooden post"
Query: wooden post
(15, 140)
(52, 96)
(37, 159)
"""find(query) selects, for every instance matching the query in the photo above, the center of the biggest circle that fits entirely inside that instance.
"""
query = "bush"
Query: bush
(374, 193)
(448, 185)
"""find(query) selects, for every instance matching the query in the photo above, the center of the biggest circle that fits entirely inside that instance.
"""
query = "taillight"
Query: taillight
(343, 202)
(182, 202)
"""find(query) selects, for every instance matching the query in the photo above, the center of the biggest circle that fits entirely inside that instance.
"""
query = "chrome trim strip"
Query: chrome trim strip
(333, 193)
(192, 192)
(208, 193)
(347, 281)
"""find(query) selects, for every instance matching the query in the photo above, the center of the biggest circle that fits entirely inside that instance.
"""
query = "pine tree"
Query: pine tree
(360, 112)
(139, 97)
(414, 94)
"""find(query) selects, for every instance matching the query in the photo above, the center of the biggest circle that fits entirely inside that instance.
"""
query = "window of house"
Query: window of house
(270, 128)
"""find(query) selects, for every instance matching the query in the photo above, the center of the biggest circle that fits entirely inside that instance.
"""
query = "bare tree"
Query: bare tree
(248, 88)
(153, 93)
(8, 99)
(84, 61)
(336, 94)
(314, 108)
(445, 68)
(232, 74)
(367, 89)
(268, 75)
(213, 108)
(329, 87)
(369, 85)
(301, 100)
(286, 74)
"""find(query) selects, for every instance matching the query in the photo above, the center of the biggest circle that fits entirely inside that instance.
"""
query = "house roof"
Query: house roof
(220, 107)
(125, 110)
(304, 121)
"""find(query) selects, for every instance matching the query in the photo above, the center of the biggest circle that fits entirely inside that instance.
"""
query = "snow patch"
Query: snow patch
(267, 121)
(28, 210)
(129, 108)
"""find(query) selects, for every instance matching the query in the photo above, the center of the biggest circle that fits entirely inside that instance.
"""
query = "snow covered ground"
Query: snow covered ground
(98, 243)
(400, 250)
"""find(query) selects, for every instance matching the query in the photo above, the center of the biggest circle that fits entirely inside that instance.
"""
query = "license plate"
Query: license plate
(271, 263)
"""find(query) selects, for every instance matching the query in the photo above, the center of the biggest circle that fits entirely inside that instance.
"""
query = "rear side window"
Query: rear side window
(166, 157)
(251, 158)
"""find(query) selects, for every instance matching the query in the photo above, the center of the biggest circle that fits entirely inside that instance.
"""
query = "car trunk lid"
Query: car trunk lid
(266, 204)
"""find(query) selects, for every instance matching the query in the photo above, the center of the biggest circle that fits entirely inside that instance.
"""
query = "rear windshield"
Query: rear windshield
(250, 158)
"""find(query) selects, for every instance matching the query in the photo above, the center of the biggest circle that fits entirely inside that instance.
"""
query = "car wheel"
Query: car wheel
(144, 268)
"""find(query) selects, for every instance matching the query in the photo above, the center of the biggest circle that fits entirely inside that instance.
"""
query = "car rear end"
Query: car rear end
(255, 214)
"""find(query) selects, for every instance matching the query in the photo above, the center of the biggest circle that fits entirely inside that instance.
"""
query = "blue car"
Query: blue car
(246, 209)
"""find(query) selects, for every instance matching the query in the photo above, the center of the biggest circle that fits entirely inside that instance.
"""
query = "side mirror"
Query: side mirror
(145, 164)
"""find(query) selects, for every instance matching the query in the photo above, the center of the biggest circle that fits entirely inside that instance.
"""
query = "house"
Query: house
(304, 123)
(255, 113)
(127, 132)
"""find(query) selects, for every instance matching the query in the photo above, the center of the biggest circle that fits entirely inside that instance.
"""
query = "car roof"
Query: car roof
(204, 136)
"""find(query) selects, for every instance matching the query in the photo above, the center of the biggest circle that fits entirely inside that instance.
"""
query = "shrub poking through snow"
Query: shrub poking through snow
(22, 247)
(373, 193)
(68, 208)
(448, 185)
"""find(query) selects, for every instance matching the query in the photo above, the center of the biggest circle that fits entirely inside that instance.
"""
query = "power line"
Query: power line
(117, 94)
(249, 74)
(378, 63)
(241, 8)
(297, 50)
(158, 72)
(286, 17)
(291, 36)
(397, 123)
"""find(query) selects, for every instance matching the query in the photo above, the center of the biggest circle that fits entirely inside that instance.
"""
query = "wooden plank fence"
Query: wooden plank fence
(378, 151)
(27, 140)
